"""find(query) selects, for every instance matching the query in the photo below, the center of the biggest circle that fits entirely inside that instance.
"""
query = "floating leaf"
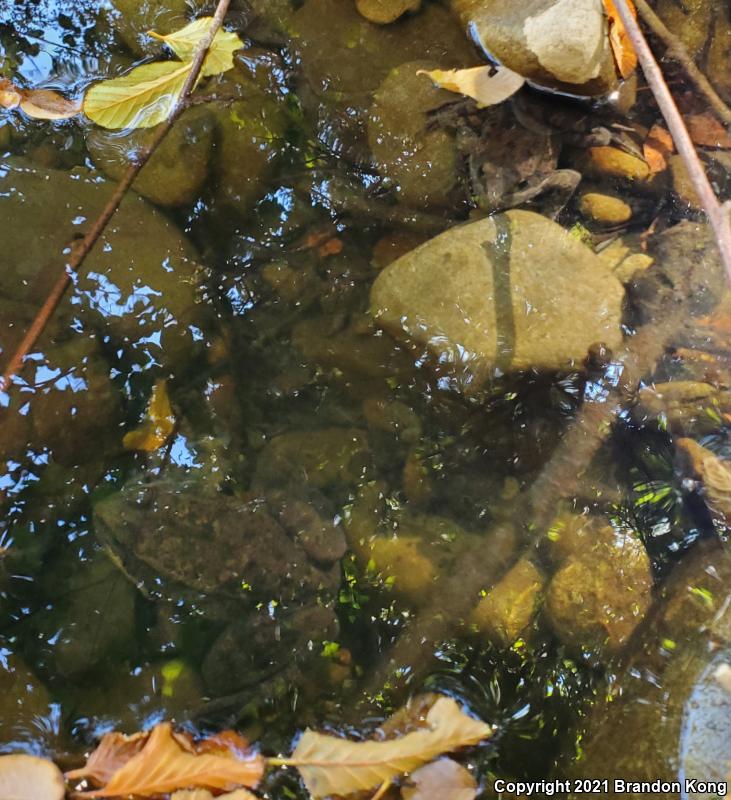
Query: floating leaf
(624, 52)
(113, 752)
(158, 425)
(30, 778)
(488, 85)
(330, 765)
(37, 103)
(142, 98)
(168, 762)
(440, 780)
(47, 104)
(186, 41)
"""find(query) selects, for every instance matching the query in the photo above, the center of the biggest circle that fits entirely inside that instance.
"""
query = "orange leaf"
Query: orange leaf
(658, 148)
(624, 53)
(47, 104)
(114, 751)
(163, 765)
(706, 131)
(330, 248)
(10, 95)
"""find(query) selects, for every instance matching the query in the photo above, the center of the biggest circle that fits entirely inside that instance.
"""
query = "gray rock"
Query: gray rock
(511, 292)
(559, 44)
(139, 285)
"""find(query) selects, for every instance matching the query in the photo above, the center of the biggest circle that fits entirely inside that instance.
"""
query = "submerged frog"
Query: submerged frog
(264, 570)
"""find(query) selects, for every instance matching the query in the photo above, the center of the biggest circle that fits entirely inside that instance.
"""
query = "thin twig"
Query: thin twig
(718, 216)
(677, 51)
(81, 250)
(384, 787)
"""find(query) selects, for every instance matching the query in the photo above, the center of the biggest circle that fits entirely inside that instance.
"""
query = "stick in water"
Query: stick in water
(81, 250)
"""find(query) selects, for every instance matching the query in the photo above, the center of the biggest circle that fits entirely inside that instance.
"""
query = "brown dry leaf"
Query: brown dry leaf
(440, 780)
(204, 794)
(706, 131)
(331, 247)
(47, 104)
(30, 778)
(624, 53)
(165, 764)
(658, 147)
(113, 752)
(158, 426)
(330, 765)
(487, 85)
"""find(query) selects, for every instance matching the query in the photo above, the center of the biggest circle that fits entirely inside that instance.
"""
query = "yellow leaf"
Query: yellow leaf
(168, 762)
(330, 765)
(488, 85)
(47, 104)
(143, 98)
(185, 42)
(30, 778)
(157, 427)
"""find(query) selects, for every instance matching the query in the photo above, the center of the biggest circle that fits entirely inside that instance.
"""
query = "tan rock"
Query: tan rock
(682, 185)
(615, 163)
(604, 208)
(383, 12)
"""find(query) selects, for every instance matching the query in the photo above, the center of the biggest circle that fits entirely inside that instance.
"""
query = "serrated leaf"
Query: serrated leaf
(330, 765)
(143, 98)
(487, 85)
(167, 763)
(186, 41)
(30, 778)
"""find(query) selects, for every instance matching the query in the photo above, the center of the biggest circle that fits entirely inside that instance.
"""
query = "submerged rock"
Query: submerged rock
(665, 715)
(383, 12)
(178, 169)
(712, 474)
(139, 286)
(560, 44)
(418, 158)
(132, 19)
(24, 703)
(603, 589)
(507, 293)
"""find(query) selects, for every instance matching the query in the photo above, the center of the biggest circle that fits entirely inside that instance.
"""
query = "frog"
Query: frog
(263, 569)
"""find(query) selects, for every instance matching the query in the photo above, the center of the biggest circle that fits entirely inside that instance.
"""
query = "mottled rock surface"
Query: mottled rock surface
(507, 293)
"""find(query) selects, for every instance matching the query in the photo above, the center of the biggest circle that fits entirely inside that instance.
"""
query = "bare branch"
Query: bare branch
(717, 215)
(81, 250)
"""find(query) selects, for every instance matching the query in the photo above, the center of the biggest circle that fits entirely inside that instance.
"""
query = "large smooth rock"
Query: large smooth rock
(511, 292)
(559, 44)
(139, 286)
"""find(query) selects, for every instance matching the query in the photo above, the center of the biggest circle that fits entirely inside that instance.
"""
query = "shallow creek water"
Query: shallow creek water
(326, 486)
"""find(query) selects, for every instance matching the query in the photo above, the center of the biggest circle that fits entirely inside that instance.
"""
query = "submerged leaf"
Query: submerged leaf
(706, 131)
(439, 780)
(30, 778)
(10, 95)
(657, 149)
(330, 765)
(186, 41)
(166, 763)
(488, 85)
(142, 98)
(157, 427)
(624, 52)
